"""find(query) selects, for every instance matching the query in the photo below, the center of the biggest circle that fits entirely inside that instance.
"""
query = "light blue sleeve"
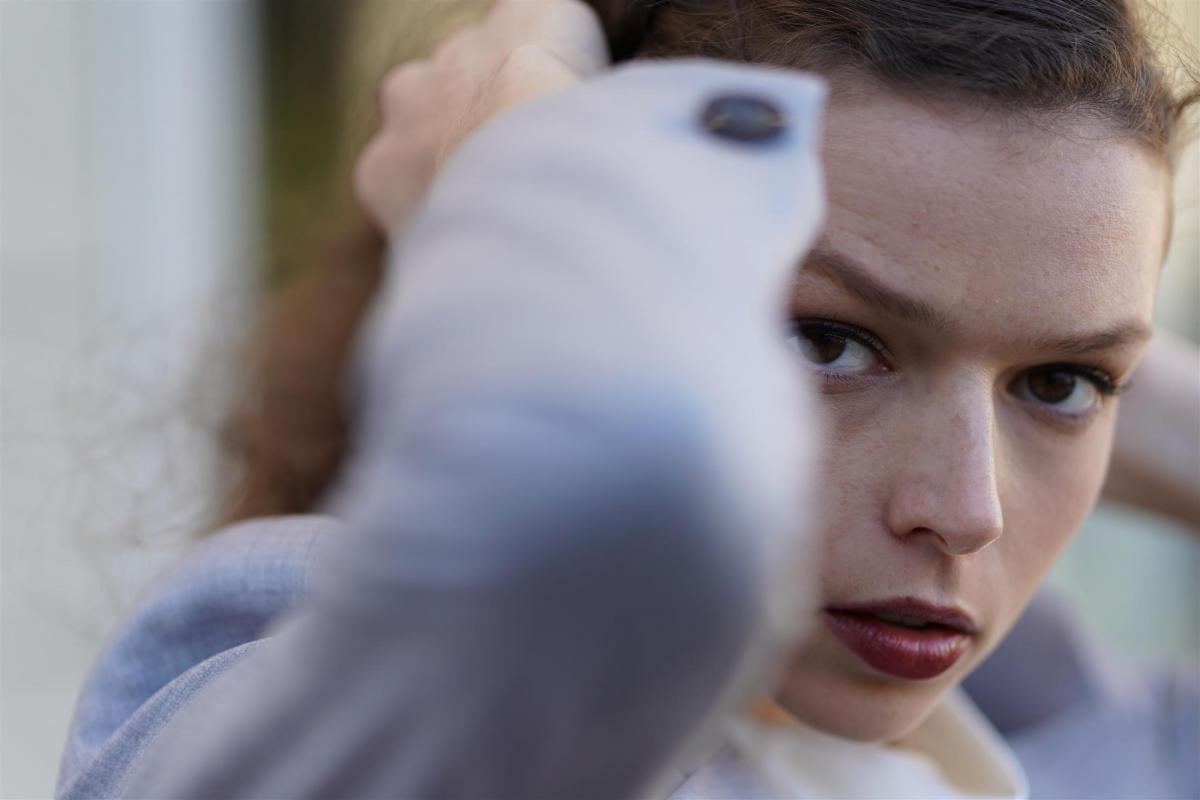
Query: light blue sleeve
(1082, 721)
(198, 620)
(571, 508)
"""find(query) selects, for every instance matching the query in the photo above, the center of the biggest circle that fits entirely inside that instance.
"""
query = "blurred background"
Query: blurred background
(164, 166)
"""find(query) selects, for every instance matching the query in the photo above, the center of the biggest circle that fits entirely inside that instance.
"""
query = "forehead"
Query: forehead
(1004, 218)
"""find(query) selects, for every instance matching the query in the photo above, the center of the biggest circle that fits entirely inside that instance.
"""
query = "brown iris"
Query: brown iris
(821, 347)
(1052, 385)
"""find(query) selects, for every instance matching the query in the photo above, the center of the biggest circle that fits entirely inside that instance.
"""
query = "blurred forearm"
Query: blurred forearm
(1156, 454)
(570, 536)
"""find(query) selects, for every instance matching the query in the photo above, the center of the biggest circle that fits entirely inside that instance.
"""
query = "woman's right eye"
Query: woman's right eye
(838, 351)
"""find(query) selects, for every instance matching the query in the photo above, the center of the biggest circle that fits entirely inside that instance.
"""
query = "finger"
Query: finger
(465, 60)
(527, 72)
(367, 179)
(530, 71)
(404, 93)
(572, 31)
(390, 177)
(568, 28)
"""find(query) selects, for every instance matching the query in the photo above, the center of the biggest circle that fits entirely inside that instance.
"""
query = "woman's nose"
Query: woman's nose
(944, 487)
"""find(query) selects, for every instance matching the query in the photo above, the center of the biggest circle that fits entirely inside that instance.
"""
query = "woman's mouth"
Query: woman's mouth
(903, 637)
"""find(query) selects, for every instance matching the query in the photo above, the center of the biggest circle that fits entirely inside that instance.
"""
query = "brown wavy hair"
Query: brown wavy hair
(287, 434)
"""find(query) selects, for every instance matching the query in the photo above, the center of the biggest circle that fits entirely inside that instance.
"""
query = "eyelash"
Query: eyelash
(801, 326)
(1101, 379)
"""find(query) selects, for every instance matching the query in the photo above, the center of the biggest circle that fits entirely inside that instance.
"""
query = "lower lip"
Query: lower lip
(910, 653)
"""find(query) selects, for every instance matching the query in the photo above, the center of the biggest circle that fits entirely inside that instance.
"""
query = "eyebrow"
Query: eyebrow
(1122, 334)
(855, 278)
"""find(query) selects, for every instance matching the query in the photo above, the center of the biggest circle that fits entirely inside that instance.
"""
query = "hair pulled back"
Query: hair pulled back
(287, 436)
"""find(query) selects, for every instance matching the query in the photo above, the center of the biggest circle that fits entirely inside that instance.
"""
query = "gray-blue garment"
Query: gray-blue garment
(572, 507)
(1078, 733)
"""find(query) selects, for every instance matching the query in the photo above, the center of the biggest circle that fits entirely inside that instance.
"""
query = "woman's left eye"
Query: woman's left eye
(835, 350)
(1063, 389)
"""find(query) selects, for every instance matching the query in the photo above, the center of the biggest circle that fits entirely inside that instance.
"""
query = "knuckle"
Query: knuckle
(398, 84)
(368, 169)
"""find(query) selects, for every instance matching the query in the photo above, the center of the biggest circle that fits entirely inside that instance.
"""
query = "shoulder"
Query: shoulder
(1139, 736)
(1083, 721)
(195, 621)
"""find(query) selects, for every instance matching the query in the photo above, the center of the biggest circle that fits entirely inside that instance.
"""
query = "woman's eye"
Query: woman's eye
(835, 351)
(1065, 391)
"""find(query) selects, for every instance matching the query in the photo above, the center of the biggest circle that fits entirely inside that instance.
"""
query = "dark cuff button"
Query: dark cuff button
(743, 119)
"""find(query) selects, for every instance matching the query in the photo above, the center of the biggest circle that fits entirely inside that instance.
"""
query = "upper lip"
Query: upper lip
(914, 609)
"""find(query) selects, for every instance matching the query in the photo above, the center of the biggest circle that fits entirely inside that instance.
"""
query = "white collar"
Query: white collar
(954, 753)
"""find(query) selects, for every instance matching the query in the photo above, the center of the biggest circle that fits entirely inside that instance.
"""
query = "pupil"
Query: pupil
(1052, 386)
(822, 348)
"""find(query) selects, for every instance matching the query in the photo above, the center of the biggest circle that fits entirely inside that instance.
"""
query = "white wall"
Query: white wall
(127, 243)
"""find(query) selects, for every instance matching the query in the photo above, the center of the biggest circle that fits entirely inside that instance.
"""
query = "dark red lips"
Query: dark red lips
(905, 637)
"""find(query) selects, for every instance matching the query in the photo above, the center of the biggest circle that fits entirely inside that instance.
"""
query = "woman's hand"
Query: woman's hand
(521, 50)
(1155, 462)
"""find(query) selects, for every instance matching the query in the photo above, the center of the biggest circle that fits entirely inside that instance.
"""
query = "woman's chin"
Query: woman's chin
(849, 702)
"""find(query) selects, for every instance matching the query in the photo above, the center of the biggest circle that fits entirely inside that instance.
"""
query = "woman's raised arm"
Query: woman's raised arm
(572, 532)
(1156, 453)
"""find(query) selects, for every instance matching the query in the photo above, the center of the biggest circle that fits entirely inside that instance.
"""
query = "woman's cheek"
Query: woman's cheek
(1049, 484)
(852, 473)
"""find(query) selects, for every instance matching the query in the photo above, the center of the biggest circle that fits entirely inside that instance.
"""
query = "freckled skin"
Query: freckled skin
(939, 480)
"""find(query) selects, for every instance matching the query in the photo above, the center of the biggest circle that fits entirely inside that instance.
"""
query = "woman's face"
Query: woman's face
(982, 286)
